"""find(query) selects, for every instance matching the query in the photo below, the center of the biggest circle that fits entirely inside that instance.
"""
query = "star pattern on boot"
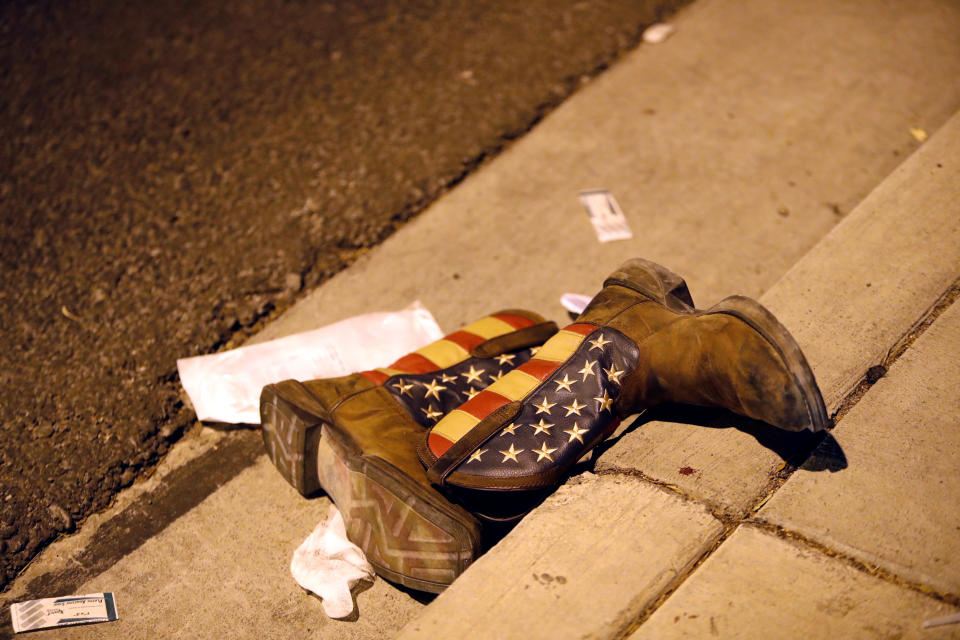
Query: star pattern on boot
(433, 389)
(473, 375)
(565, 383)
(545, 406)
(542, 427)
(605, 401)
(404, 389)
(569, 409)
(446, 389)
(511, 454)
(576, 433)
(613, 374)
(599, 342)
(505, 358)
(574, 408)
(544, 452)
(588, 369)
(477, 455)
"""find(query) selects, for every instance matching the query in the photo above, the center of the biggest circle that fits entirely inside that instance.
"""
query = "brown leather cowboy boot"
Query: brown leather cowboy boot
(356, 437)
(637, 344)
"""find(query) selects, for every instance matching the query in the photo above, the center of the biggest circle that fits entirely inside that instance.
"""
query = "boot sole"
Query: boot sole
(408, 536)
(757, 316)
(405, 536)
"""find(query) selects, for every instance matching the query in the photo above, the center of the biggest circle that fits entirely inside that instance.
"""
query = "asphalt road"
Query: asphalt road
(172, 174)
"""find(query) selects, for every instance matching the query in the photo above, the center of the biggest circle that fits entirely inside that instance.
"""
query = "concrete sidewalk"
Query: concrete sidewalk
(758, 151)
(699, 488)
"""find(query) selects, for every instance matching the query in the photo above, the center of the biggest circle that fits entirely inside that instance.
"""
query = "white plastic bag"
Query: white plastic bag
(225, 387)
(329, 565)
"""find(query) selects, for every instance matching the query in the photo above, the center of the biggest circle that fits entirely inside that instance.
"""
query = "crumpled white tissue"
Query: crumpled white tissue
(225, 387)
(329, 565)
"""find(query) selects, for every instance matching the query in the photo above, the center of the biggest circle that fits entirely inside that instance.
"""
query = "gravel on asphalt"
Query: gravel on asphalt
(171, 174)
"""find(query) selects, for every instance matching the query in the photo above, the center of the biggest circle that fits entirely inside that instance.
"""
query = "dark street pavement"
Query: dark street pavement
(173, 174)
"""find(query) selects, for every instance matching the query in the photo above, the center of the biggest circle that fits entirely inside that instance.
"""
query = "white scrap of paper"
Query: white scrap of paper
(605, 215)
(657, 33)
(329, 565)
(953, 618)
(575, 302)
(47, 613)
(225, 387)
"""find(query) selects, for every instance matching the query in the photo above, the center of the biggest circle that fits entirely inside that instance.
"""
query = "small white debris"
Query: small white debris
(918, 133)
(953, 618)
(657, 33)
(63, 612)
(605, 215)
(575, 302)
(329, 565)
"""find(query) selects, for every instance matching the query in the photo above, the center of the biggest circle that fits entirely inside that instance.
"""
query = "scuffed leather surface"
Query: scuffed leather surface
(717, 360)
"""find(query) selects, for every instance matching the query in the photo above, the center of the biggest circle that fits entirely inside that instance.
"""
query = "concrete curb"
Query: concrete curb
(847, 302)
(913, 219)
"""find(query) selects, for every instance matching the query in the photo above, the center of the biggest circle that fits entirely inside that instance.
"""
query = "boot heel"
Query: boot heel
(291, 421)
(403, 528)
(654, 281)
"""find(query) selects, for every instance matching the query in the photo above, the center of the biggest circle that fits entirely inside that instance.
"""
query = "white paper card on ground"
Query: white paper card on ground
(67, 611)
(575, 302)
(953, 618)
(605, 215)
(225, 387)
(657, 33)
(329, 565)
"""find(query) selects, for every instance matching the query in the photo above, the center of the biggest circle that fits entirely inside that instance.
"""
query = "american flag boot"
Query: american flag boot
(639, 342)
(356, 436)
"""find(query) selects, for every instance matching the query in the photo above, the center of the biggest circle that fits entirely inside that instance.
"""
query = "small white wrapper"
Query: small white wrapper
(605, 215)
(657, 33)
(48, 613)
(225, 387)
(329, 565)
(953, 618)
(575, 302)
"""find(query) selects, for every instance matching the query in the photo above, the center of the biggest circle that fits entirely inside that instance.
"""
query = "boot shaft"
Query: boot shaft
(629, 350)
(431, 381)
(527, 428)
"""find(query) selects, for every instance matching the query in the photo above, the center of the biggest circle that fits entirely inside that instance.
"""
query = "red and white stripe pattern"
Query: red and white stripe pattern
(451, 349)
(515, 385)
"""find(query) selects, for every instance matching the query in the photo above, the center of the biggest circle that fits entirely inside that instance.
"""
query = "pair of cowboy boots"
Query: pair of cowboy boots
(482, 424)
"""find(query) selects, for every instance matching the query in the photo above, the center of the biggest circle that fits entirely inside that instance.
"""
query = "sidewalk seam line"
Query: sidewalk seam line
(629, 629)
(852, 561)
(780, 477)
(871, 377)
(671, 489)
